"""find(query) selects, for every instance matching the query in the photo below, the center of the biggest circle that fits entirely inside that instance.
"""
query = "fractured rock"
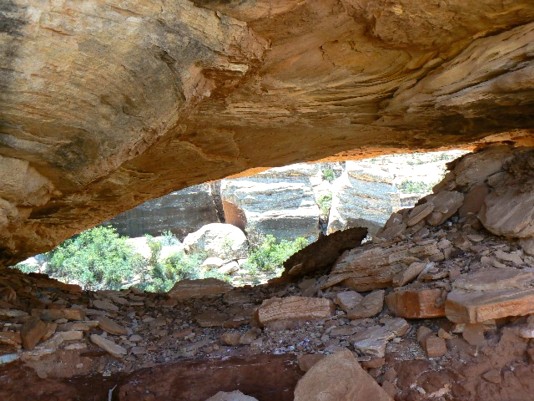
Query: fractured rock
(434, 346)
(369, 306)
(208, 287)
(416, 303)
(419, 212)
(348, 299)
(338, 377)
(280, 312)
(368, 268)
(510, 214)
(446, 204)
(373, 340)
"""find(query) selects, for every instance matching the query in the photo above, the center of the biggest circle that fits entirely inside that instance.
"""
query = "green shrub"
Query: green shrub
(325, 203)
(271, 254)
(161, 276)
(415, 187)
(328, 174)
(96, 259)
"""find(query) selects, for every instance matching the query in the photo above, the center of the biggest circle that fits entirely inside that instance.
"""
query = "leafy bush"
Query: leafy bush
(415, 187)
(161, 276)
(325, 203)
(328, 174)
(271, 254)
(96, 259)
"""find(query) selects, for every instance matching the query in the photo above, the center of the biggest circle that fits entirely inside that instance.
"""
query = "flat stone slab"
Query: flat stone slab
(478, 306)
(109, 346)
(275, 311)
(208, 287)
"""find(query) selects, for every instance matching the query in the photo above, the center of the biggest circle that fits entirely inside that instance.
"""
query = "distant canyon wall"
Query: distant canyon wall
(299, 200)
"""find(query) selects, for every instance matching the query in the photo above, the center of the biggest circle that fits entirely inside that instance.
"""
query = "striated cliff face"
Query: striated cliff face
(106, 104)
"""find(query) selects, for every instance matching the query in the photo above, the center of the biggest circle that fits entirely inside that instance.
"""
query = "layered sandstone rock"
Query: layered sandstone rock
(105, 106)
(278, 202)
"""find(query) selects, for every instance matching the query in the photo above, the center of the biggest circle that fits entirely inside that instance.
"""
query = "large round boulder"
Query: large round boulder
(224, 241)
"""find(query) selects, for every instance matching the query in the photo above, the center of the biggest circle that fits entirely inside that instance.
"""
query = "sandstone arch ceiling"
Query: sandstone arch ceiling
(105, 104)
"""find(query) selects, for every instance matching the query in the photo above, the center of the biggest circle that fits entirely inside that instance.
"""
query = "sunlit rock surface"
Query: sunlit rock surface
(105, 105)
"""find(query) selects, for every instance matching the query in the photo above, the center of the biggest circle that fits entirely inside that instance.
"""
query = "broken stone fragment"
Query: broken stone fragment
(409, 274)
(371, 305)
(109, 346)
(232, 396)
(111, 326)
(348, 299)
(231, 338)
(446, 204)
(474, 334)
(417, 303)
(32, 331)
(372, 341)
(280, 312)
(509, 213)
(339, 377)
(434, 346)
(419, 212)
(528, 245)
(208, 287)
(369, 268)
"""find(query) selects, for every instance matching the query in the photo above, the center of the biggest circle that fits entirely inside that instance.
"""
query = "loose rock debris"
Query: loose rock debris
(436, 307)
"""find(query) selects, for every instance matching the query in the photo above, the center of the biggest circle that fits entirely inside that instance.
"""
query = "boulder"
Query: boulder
(278, 202)
(220, 240)
(339, 377)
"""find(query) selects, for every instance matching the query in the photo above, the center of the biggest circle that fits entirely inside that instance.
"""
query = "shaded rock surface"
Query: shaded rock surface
(129, 103)
(197, 347)
(180, 212)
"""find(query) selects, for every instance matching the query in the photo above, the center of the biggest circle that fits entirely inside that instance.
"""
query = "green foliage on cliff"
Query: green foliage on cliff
(96, 259)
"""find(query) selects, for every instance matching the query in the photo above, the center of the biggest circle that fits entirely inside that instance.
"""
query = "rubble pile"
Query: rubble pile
(438, 306)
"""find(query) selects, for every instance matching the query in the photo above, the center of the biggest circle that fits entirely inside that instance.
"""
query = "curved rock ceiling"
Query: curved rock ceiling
(105, 104)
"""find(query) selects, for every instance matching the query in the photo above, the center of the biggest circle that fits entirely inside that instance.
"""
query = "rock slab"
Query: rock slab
(279, 312)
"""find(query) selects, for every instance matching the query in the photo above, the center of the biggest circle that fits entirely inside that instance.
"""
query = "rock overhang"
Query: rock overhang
(106, 106)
